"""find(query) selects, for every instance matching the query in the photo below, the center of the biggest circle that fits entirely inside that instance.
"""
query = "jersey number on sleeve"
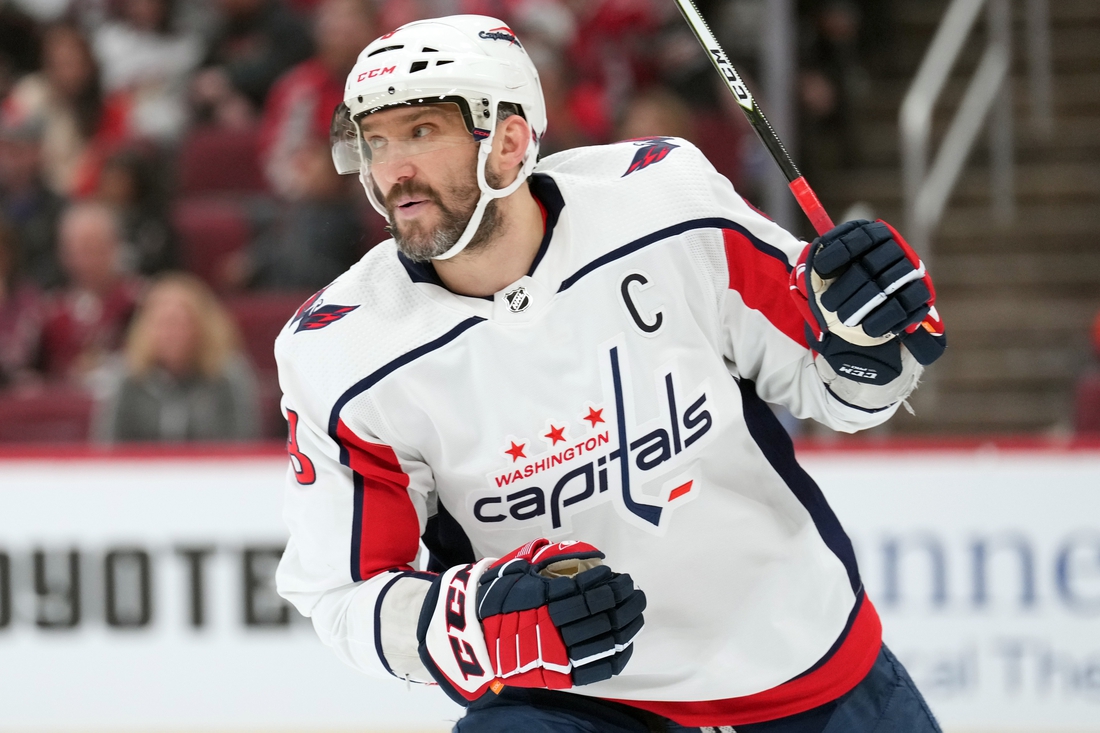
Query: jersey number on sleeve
(303, 467)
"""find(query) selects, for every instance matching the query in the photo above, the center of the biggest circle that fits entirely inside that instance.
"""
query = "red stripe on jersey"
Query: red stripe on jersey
(844, 670)
(763, 282)
(389, 529)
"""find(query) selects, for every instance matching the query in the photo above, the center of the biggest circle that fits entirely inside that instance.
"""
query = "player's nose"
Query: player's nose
(394, 170)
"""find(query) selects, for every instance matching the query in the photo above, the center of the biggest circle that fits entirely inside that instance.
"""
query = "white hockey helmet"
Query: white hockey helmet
(473, 61)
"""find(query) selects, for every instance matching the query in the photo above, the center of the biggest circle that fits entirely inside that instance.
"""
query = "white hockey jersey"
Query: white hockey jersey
(617, 394)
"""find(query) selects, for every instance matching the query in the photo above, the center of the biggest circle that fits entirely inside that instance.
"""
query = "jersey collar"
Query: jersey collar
(550, 201)
(549, 198)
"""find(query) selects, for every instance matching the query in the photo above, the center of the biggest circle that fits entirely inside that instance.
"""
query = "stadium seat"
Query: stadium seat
(55, 415)
(260, 317)
(1087, 413)
(209, 231)
(213, 160)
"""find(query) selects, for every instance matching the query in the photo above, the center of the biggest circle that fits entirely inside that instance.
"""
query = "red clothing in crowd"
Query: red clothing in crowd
(112, 132)
(22, 311)
(82, 328)
(298, 109)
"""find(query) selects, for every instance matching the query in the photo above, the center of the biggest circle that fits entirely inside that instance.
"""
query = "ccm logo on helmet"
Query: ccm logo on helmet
(380, 71)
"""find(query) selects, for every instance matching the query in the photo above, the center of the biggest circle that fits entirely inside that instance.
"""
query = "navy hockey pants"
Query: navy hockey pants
(886, 701)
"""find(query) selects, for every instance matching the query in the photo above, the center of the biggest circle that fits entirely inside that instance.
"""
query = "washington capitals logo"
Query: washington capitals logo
(640, 459)
(650, 150)
(313, 315)
(502, 33)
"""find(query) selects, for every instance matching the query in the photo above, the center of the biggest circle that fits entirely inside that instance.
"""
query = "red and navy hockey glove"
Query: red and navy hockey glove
(547, 615)
(860, 286)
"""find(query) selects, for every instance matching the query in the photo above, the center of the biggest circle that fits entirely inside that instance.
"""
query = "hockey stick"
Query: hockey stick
(805, 195)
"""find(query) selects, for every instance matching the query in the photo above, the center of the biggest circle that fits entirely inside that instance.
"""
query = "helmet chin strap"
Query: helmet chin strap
(488, 193)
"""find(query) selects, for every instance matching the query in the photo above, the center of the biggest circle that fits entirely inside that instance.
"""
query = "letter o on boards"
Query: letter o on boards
(647, 324)
(127, 586)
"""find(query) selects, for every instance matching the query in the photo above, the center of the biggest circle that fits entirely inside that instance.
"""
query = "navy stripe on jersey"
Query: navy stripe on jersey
(776, 445)
(428, 577)
(356, 514)
(861, 596)
(546, 191)
(672, 231)
(359, 388)
(376, 376)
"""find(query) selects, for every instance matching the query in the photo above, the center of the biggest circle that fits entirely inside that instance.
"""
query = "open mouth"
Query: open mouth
(412, 206)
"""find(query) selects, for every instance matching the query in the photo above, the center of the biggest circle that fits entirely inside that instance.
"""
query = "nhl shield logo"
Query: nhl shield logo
(518, 299)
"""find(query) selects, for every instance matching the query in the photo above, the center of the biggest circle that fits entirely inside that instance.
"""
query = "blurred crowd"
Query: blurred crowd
(167, 196)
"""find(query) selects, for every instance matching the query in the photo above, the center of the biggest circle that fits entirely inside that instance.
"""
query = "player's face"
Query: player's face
(424, 163)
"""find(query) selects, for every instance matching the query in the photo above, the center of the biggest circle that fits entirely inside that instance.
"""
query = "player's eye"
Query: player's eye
(421, 131)
(376, 143)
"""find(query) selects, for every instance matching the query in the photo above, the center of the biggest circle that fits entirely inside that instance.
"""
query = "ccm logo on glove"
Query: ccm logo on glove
(546, 615)
(862, 288)
(464, 653)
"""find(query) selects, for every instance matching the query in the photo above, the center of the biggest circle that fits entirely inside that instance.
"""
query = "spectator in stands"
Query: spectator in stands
(258, 41)
(299, 107)
(21, 316)
(78, 125)
(656, 112)
(25, 200)
(309, 241)
(87, 319)
(18, 46)
(129, 183)
(831, 83)
(143, 57)
(565, 128)
(184, 377)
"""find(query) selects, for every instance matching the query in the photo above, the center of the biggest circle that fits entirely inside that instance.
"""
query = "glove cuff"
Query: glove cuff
(451, 640)
(875, 365)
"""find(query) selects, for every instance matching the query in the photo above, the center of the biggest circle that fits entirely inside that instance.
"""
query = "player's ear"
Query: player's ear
(513, 135)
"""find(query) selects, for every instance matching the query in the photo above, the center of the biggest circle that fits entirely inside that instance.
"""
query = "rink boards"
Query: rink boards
(136, 591)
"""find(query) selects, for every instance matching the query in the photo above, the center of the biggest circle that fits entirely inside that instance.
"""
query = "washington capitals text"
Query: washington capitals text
(682, 428)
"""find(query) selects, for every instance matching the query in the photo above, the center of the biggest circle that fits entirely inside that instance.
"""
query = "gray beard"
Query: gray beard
(425, 246)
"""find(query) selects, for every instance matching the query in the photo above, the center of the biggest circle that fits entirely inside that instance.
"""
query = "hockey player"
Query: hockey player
(557, 375)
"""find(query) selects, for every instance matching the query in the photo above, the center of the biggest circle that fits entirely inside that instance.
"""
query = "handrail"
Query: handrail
(926, 191)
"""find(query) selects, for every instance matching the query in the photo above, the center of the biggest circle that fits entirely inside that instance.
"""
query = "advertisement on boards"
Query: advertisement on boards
(138, 593)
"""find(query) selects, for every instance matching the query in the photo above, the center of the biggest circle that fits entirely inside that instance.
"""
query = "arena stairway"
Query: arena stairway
(1019, 300)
